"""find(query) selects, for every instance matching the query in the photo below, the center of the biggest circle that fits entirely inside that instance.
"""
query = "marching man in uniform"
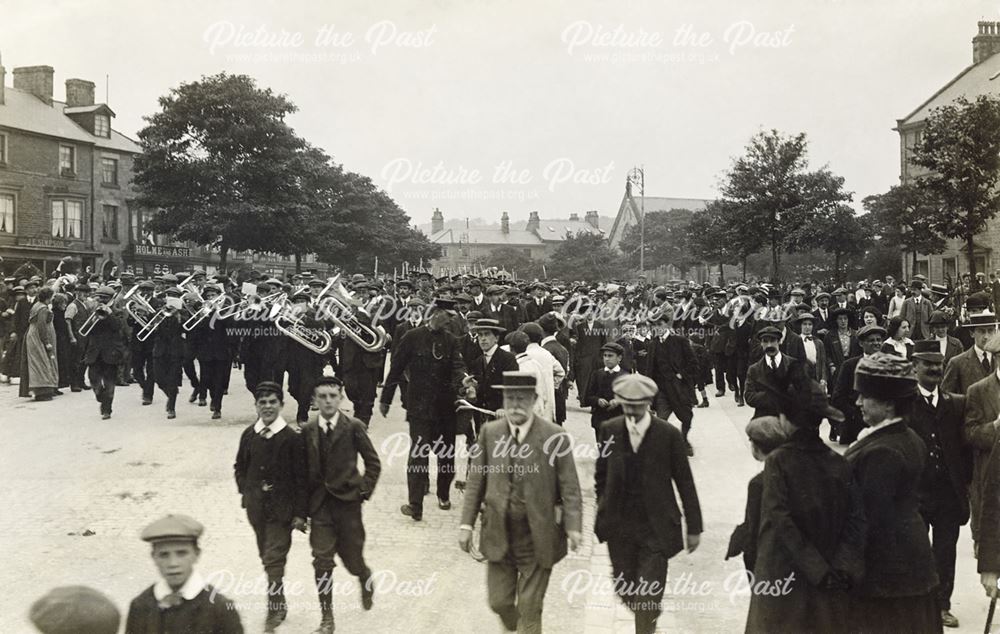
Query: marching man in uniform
(526, 483)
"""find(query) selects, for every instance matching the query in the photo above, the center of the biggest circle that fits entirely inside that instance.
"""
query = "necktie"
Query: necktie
(986, 363)
(517, 435)
(808, 337)
(770, 363)
(266, 432)
(172, 600)
(635, 439)
(930, 399)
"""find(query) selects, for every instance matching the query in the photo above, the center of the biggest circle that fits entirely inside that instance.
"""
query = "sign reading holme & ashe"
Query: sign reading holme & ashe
(174, 252)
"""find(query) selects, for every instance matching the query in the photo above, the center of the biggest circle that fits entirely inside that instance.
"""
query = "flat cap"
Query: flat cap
(75, 610)
(634, 388)
(173, 528)
(106, 291)
(769, 331)
(611, 346)
(767, 432)
(938, 318)
(867, 330)
(443, 303)
(494, 289)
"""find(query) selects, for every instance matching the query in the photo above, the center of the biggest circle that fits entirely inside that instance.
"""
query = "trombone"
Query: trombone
(207, 308)
(101, 310)
(154, 322)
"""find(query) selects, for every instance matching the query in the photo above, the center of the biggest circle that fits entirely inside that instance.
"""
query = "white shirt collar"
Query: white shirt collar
(191, 588)
(278, 424)
(617, 368)
(979, 352)
(640, 427)
(925, 393)
(869, 430)
(525, 427)
(333, 421)
(777, 359)
(492, 351)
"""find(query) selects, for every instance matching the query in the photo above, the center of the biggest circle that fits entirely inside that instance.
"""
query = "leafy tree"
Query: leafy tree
(585, 256)
(904, 216)
(513, 261)
(961, 148)
(840, 234)
(220, 160)
(715, 240)
(667, 241)
(776, 195)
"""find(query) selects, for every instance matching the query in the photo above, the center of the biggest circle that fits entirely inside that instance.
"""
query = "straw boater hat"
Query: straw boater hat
(885, 376)
(985, 318)
(517, 381)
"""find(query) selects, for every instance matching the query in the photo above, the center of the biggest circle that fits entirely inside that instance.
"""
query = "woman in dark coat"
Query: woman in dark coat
(897, 593)
(63, 344)
(809, 550)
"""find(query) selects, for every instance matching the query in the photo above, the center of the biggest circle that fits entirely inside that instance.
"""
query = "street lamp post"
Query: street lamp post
(638, 177)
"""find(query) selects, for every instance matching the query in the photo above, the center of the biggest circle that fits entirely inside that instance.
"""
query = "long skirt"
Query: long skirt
(42, 369)
(918, 614)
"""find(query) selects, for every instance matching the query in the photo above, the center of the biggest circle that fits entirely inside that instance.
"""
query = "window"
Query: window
(102, 125)
(110, 229)
(6, 213)
(922, 268)
(67, 158)
(67, 219)
(3, 149)
(950, 268)
(109, 171)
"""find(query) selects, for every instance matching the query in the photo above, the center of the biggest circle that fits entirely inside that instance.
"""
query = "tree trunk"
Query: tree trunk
(744, 268)
(223, 255)
(970, 253)
(774, 260)
(298, 263)
(913, 266)
(836, 268)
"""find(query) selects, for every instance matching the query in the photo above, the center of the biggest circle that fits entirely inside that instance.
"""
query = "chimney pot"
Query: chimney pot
(574, 217)
(36, 80)
(593, 219)
(437, 221)
(79, 92)
(505, 223)
(533, 222)
(987, 42)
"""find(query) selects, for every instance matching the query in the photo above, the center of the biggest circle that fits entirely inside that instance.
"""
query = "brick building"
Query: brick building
(981, 78)
(536, 238)
(66, 189)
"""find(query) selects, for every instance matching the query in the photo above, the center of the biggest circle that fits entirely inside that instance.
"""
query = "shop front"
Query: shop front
(28, 256)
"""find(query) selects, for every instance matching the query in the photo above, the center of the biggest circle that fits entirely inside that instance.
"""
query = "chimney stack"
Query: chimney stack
(574, 217)
(505, 223)
(533, 222)
(79, 92)
(36, 80)
(437, 221)
(987, 41)
(593, 219)
(3, 82)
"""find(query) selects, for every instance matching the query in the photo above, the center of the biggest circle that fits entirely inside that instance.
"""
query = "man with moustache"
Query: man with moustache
(917, 310)
(774, 376)
(948, 346)
(336, 490)
(637, 513)
(976, 363)
(939, 418)
(523, 480)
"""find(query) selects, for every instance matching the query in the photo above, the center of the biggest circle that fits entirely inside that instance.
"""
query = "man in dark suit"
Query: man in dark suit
(720, 344)
(810, 350)
(671, 363)
(774, 376)
(917, 310)
(825, 320)
(939, 418)
(538, 304)
(588, 335)
(633, 348)
(333, 443)
(213, 349)
(181, 601)
(600, 397)
(637, 512)
(524, 482)
(844, 396)
(475, 290)
(975, 363)
(948, 346)
(495, 308)
(513, 297)
(271, 478)
(362, 372)
(488, 368)
(436, 371)
(105, 351)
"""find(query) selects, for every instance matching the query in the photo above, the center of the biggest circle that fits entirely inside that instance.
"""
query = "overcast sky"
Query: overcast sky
(481, 107)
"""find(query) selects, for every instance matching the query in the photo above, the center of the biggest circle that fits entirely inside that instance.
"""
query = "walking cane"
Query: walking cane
(989, 615)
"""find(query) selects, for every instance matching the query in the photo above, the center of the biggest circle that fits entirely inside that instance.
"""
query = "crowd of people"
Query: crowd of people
(904, 375)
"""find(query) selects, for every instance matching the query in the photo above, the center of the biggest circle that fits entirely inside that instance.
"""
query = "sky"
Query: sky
(479, 107)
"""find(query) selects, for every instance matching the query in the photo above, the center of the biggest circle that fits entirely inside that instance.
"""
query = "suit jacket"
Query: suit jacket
(587, 349)
(436, 370)
(835, 353)
(952, 349)
(350, 440)
(600, 387)
(963, 370)
(918, 315)
(106, 341)
(490, 374)
(532, 311)
(551, 483)
(635, 353)
(982, 407)
(989, 512)
(665, 360)
(887, 466)
(764, 385)
(819, 371)
(212, 342)
(354, 358)
(663, 457)
(208, 613)
(505, 314)
(284, 471)
(789, 346)
(946, 423)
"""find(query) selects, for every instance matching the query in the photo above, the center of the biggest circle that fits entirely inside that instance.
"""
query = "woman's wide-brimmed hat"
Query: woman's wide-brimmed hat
(885, 376)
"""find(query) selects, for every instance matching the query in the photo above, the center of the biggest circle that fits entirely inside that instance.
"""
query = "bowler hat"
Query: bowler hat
(927, 350)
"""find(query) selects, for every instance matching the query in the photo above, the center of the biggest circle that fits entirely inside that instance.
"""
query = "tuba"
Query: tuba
(293, 325)
(338, 306)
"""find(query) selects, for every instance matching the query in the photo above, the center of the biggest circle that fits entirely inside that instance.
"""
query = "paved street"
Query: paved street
(77, 491)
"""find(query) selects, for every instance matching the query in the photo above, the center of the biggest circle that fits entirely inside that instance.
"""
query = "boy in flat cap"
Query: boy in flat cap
(270, 475)
(642, 459)
(181, 602)
(600, 397)
(75, 610)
